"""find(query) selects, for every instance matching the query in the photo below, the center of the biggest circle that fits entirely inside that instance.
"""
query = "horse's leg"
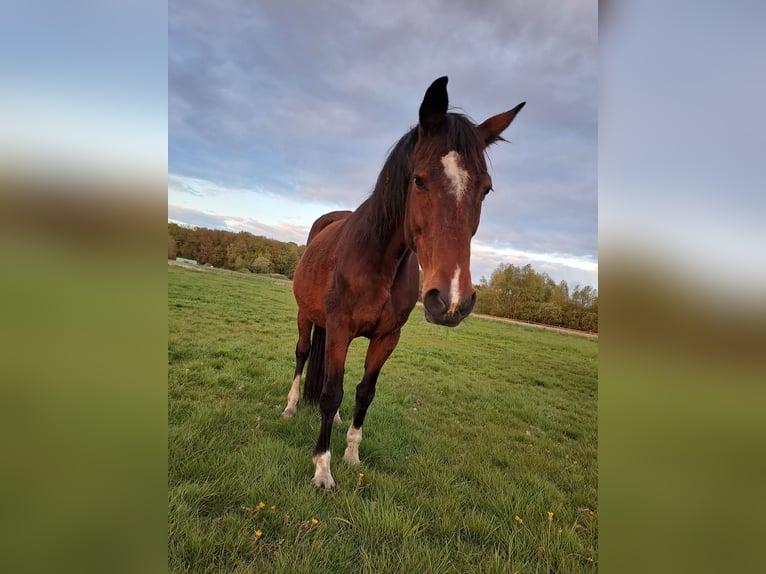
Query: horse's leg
(301, 354)
(377, 354)
(337, 343)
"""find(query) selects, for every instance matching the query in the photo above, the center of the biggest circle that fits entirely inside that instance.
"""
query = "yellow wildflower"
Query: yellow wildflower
(258, 534)
(550, 515)
(314, 521)
(517, 519)
(261, 505)
(273, 508)
(361, 475)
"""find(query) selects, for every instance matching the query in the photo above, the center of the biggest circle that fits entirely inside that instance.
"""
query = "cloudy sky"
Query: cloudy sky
(279, 111)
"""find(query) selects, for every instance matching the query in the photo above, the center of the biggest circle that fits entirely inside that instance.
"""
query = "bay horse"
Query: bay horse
(359, 274)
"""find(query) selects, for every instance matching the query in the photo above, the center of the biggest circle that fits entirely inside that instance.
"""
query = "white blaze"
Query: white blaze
(457, 176)
(454, 290)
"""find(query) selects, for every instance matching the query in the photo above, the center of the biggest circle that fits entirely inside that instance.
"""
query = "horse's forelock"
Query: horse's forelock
(390, 193)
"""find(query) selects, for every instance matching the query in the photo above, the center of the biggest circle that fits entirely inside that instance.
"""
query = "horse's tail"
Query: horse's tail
(312, 388)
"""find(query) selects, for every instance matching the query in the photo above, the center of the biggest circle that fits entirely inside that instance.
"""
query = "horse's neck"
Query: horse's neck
(383, 250)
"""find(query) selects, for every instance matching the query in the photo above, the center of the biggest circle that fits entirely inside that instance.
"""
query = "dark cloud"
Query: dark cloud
(305, 99)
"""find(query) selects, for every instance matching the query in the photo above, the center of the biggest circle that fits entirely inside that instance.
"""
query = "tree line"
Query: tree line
(241, 251)
(523, 294)
(513, 292)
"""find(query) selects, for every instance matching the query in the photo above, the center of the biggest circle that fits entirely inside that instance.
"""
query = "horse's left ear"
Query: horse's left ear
(491, 129)
(433, 110)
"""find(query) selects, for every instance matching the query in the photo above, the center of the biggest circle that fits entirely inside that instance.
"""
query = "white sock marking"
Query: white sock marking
(353, 438)
(454, 290)
(292, 397)
(457, 176)
(322, 475)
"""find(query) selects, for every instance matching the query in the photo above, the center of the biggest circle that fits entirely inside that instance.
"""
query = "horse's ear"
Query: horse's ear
(491, 129)
(433, 110)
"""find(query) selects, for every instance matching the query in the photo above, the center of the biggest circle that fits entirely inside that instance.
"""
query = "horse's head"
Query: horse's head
(448, 184)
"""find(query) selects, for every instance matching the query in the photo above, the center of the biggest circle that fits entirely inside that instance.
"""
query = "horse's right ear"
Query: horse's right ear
(433, 110)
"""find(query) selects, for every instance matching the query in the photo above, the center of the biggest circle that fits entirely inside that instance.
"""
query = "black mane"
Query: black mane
(389, 197)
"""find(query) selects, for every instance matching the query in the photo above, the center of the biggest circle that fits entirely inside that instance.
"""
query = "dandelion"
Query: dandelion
(272, 509)
(550, 523)
(314, 521)
(261, 505)
(258, 534)
(517, 519)
(361, 475)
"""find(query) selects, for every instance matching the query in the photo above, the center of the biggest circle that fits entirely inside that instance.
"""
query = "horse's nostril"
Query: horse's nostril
(434, 302)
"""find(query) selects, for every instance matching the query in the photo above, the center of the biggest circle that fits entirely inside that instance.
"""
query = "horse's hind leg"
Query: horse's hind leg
(377, 354)
(301, 354)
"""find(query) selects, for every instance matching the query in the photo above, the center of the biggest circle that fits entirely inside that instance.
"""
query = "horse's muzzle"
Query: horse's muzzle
(438, 309)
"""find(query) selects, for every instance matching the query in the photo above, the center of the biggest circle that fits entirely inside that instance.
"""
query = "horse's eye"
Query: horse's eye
(486, 191)
(419, 182)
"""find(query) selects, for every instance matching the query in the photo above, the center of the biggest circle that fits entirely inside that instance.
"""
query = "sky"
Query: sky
(80, 96)
(280, 111)
(681, 140)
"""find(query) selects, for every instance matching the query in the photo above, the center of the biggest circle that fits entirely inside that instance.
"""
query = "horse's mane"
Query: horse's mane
(388, 198)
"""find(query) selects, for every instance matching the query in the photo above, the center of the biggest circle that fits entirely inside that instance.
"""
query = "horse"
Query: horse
(359, 274)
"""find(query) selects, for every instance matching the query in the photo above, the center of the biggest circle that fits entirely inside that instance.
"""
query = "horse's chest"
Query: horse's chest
(369, 312)
(372, 312)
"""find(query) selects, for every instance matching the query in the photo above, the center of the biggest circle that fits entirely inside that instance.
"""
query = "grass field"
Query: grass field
(476, 434)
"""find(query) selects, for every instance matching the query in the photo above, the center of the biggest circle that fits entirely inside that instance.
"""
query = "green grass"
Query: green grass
(470, 427)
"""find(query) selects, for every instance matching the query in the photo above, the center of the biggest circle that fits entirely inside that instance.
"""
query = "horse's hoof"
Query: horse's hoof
(289, 412)
(322, 475)
(351, 458)
(326, 488)
(324, 482)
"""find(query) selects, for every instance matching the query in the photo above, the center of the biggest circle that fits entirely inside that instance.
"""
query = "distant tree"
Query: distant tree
(284, 258)
(560, 294)
(237, 251)
(261, 264)
(487, 301)
(186, 243)
(522, 293)
(551, 314)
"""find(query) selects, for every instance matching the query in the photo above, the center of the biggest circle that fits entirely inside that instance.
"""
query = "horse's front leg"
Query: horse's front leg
(329, 402)
(377, 354)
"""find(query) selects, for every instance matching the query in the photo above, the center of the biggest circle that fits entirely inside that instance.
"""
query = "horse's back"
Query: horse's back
(324, 221)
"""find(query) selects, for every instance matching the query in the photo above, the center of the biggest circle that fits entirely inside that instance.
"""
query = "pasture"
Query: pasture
(476, 434)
